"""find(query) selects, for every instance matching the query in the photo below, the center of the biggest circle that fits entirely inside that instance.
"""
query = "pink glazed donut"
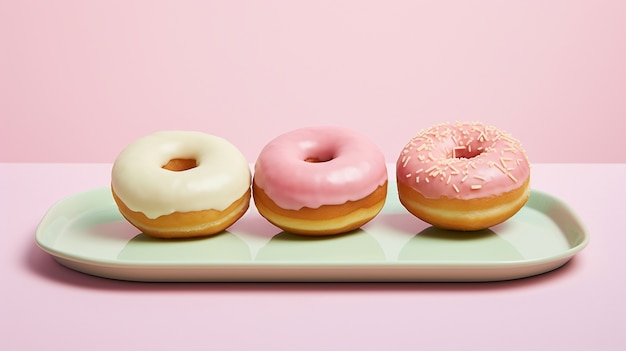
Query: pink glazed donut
(463, 176)
(320, 181)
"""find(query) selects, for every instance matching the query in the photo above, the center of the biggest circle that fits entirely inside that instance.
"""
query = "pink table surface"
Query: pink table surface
(46, 306)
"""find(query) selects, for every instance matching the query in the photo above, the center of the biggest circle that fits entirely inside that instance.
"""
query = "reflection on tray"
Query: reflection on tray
(356, 245)
(434, 244)
(148, 249)
(431, 244)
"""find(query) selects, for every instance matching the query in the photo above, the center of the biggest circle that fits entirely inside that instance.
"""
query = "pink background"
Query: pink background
(81, 79)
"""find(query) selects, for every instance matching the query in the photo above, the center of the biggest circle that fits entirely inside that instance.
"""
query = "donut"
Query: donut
(463, 176)
(320, 180)
(181, 184)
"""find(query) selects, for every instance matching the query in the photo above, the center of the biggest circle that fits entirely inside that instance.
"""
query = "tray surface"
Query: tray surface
(86, 232)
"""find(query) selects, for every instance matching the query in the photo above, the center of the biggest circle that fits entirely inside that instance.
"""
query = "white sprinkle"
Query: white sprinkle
(426, 179)
(479, 177)
(408, 175)
(455, 188)
(406, 161)
(476, 186)
(503, 161)
(481, 137)
(512, 177)
(464, 178)
(499, 167)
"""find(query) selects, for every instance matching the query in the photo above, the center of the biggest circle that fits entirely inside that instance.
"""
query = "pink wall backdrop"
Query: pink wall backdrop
(81, 79)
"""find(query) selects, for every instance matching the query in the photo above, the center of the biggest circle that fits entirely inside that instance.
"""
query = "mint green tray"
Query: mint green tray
(85, 232)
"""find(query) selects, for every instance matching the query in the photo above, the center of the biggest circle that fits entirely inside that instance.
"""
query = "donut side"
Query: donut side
(324, 220)
(464, 215)
(186, 224)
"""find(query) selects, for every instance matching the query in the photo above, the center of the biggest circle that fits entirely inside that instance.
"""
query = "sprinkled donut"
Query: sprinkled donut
(463, 176)
(320, 181)
(180, 184)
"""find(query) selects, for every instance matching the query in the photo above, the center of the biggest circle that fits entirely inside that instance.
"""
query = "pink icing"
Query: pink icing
(462, 161)
(351, 167)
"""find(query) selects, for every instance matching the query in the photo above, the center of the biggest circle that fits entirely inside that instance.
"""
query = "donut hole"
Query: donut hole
(180, 164)
(316, 159)
(318, 155)
(466, 152)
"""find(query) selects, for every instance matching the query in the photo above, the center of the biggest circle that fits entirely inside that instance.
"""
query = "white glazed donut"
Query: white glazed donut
(176, 184)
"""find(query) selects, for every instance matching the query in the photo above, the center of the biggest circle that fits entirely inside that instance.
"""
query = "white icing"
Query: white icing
(221, 176)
